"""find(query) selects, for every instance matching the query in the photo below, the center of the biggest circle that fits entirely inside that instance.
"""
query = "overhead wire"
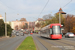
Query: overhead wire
(10, 7)
(43, 9)
(67, 4)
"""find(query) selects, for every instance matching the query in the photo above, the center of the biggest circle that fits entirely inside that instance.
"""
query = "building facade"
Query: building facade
(63, 13)
(1, 16)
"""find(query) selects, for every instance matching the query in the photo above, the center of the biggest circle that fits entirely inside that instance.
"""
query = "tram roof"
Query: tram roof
(46, 27)
(50, 25)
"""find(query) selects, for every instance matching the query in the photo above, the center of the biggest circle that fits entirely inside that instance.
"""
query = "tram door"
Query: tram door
(50, 32)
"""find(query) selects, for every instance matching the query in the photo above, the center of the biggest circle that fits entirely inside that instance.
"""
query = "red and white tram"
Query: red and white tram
(52, 31)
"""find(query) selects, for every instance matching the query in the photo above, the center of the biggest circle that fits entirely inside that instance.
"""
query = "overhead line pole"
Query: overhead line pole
(60, 13)
(5, 26)
(59, 18)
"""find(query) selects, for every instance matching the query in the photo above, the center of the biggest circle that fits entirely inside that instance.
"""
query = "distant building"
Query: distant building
(1, 16)
(19, 23)
(23, 19)
(31, 25)
(15, 23)
(63, 13)
(39, 20)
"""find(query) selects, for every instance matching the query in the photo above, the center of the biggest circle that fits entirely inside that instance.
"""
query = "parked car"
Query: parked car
(69, 34)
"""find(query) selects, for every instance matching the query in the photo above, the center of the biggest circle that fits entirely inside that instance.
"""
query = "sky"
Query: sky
(30, 9)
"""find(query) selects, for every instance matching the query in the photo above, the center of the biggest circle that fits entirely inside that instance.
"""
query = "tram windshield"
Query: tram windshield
(56, 30)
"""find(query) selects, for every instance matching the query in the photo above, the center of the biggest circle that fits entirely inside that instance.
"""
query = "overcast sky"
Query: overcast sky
(30, 9)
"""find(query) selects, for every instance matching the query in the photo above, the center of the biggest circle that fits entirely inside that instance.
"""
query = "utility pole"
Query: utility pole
(59, 18)
(5, 26)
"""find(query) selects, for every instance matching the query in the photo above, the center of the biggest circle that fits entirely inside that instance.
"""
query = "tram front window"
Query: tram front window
(56, 30)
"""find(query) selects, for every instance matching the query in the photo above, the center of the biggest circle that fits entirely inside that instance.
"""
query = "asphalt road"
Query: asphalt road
(11, 43)
(43, 43)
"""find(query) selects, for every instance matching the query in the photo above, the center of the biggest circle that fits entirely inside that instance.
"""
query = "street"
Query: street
(11, 43)
(43, 43)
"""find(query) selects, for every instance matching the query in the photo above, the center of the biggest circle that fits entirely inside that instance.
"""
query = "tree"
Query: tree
(70, 23)
(38, 25)
(16, 27)
(57, 18)
(9, 30)
(49, 16)
(2, 27)
(26, 25)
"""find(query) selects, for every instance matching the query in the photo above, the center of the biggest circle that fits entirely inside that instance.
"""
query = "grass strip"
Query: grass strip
(27, 44)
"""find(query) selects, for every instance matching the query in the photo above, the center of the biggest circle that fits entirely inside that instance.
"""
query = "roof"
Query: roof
(61, 12)
(60, 9)
(40, 19)
(23, 19)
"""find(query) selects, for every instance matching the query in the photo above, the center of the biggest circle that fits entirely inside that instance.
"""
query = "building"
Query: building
(63, 13)
(39, 20)
(31, 25)
(1, 16)
(20, 23)
(15, 24)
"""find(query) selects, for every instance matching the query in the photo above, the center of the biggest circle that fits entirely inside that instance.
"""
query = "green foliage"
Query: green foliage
(2, 28)
(27, 44)
(54, 19)
(9, 30)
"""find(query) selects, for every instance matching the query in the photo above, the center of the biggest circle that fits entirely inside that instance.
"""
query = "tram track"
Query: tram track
(50, 44)
(40, 43)
(61, 45)
(66, 42)
(70, 39)
(54, 44)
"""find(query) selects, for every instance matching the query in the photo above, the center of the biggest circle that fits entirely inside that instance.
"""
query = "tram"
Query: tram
(52, 31)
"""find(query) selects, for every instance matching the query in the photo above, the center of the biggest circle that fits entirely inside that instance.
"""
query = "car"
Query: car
(69, 34)
(17, 33)
(22, 34)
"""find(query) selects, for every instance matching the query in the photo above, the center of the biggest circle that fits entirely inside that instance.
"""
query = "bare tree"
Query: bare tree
(49, 16)
(69, 22)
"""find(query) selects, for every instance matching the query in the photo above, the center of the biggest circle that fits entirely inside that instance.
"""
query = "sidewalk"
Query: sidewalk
(4, 37)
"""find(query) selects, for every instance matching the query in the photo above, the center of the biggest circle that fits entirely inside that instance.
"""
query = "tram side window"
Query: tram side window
(50, 31)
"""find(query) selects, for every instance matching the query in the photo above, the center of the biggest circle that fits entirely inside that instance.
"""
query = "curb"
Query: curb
(35, 44)
(4, 37)
(19, 44)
